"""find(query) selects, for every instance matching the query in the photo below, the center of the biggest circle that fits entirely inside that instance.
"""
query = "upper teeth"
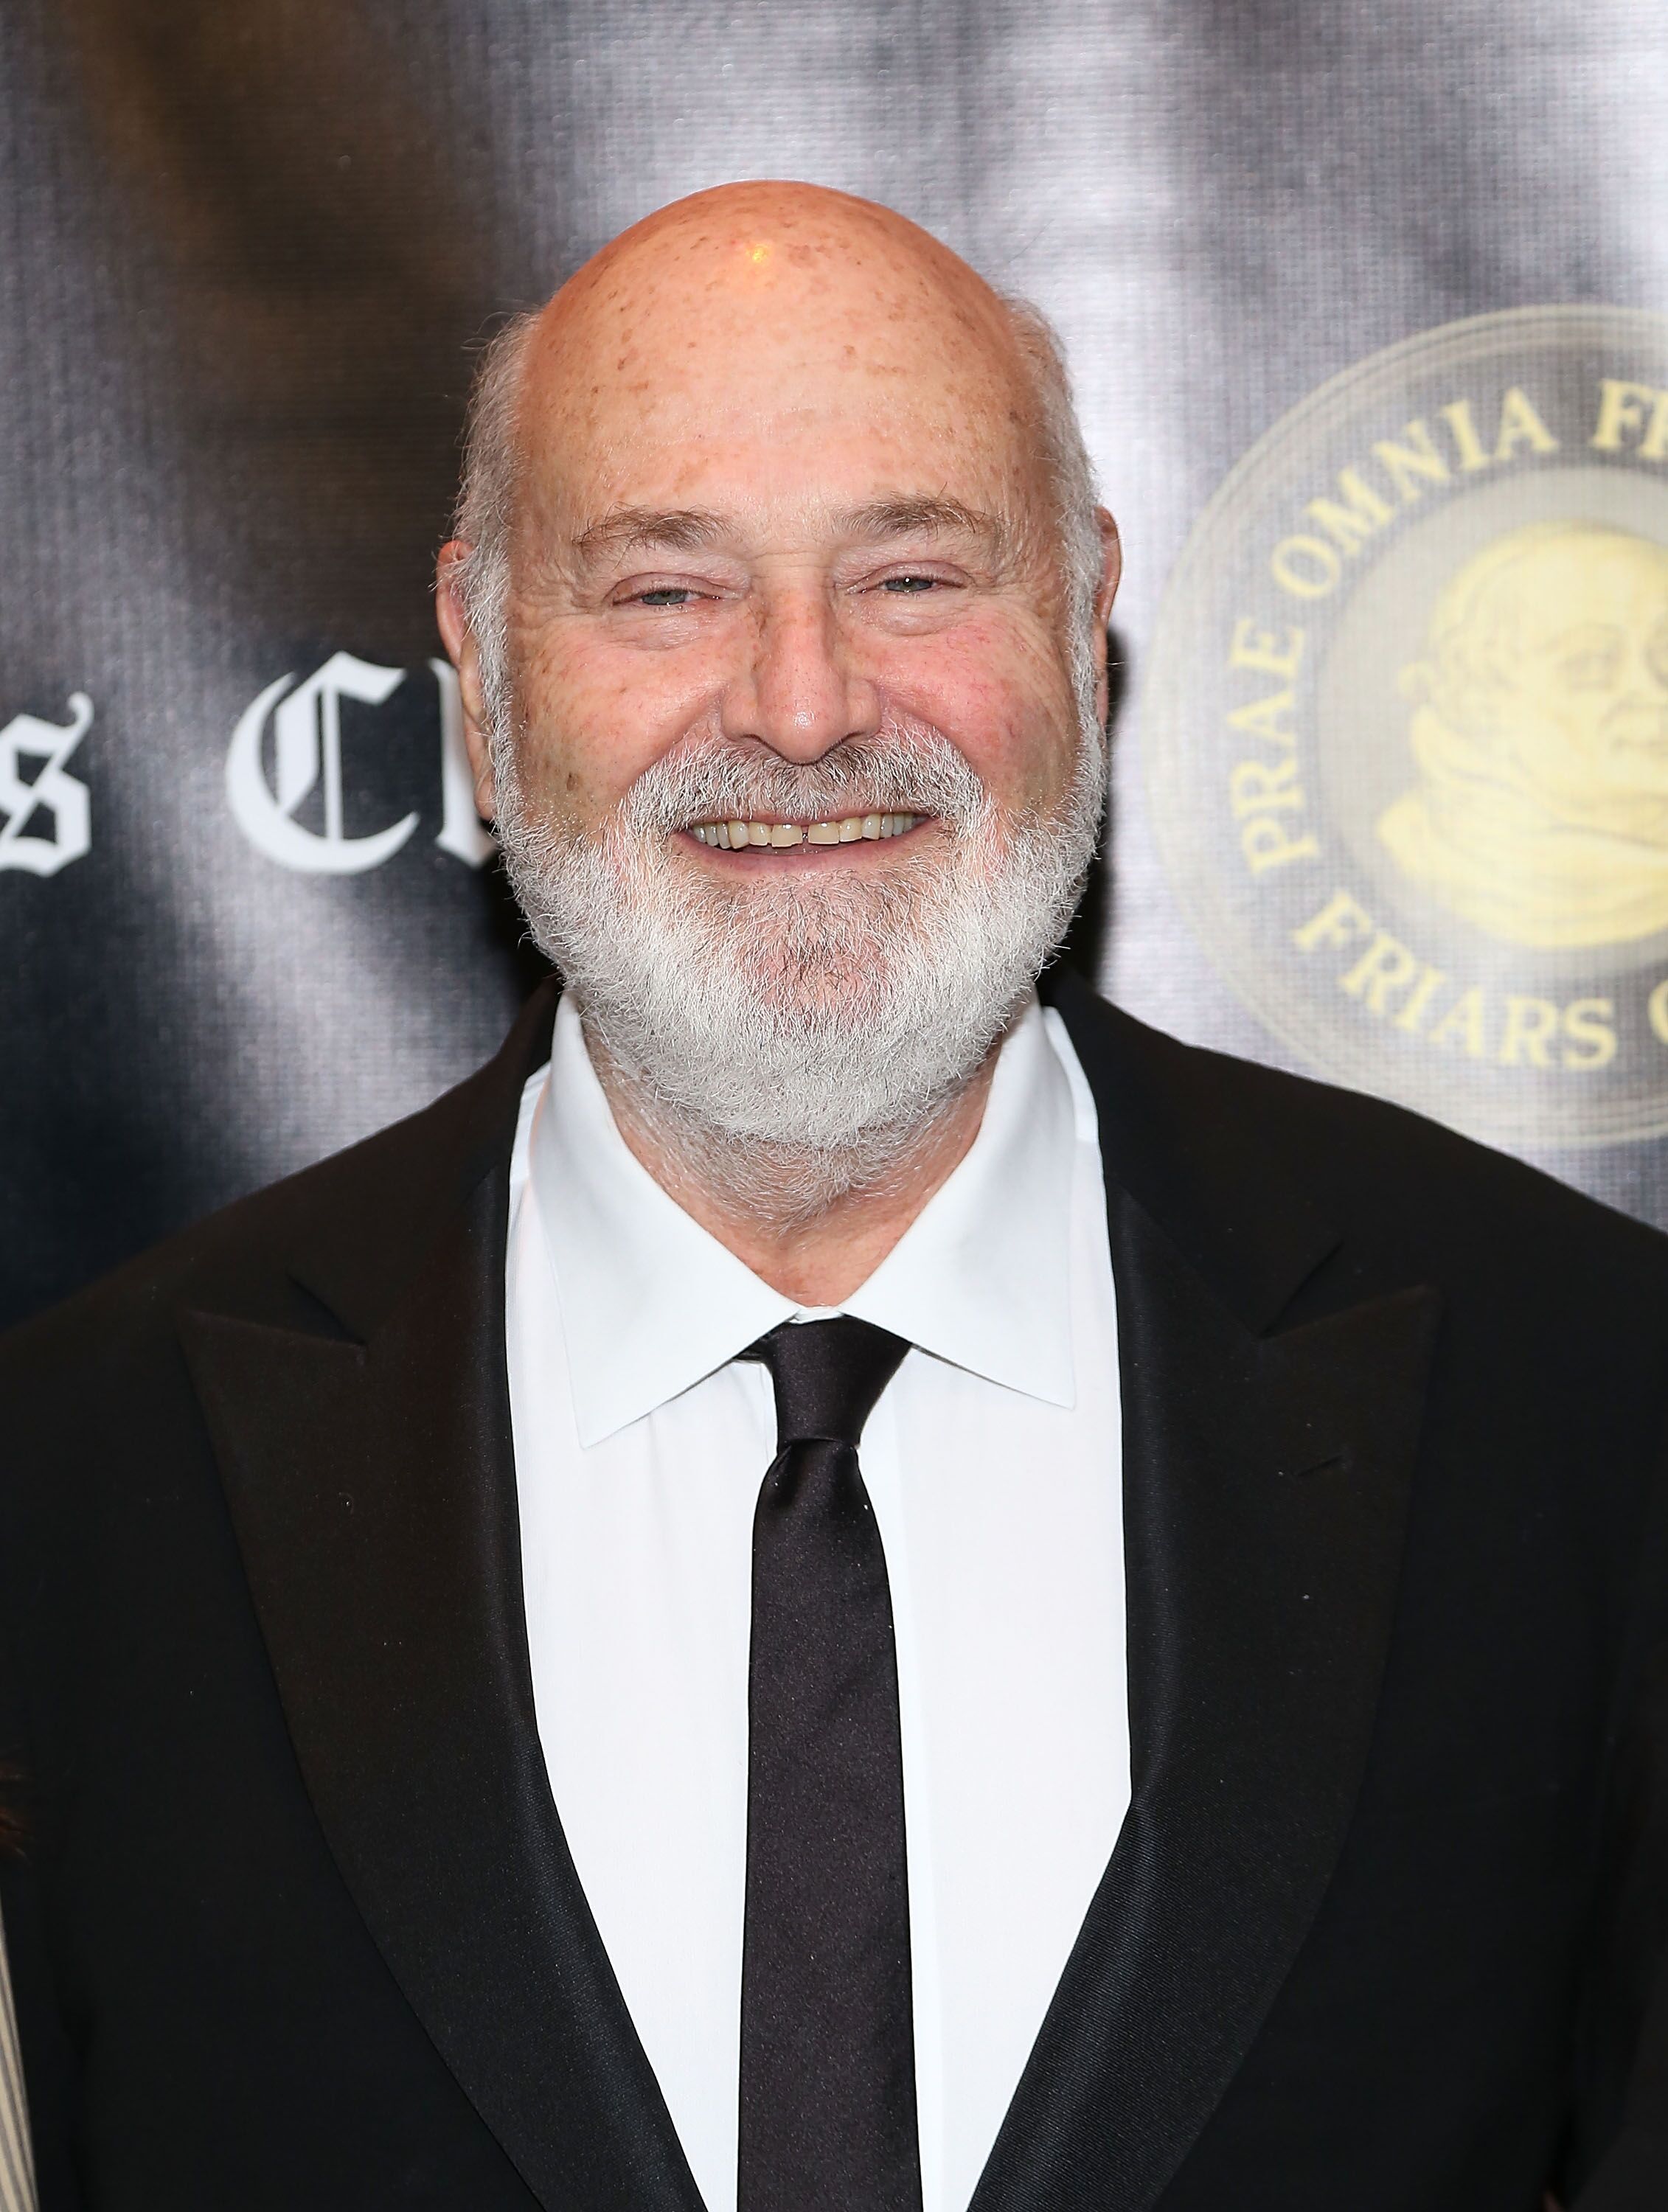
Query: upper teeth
(731, 835)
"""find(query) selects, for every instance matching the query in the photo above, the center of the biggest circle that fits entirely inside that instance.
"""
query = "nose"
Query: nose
(799, 693)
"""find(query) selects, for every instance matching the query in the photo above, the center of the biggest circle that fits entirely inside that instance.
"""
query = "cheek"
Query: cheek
(1558, 740)
(596, 720)
(1003, 699)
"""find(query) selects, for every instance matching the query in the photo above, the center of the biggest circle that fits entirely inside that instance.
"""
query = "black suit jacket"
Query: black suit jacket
(295, 1923)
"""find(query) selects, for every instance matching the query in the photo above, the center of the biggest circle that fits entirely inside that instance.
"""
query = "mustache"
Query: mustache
(896, 772)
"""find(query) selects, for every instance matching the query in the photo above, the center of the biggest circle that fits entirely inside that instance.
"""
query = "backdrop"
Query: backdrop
(1360, 301)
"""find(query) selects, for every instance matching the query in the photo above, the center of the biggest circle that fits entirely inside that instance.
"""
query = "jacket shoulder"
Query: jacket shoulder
(1360, 1158)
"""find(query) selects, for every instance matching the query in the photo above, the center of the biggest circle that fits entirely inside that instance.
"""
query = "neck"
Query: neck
(812, 1224)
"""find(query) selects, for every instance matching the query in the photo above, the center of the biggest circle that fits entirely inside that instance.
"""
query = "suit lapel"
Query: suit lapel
(372, 1488)
(1266, 1473)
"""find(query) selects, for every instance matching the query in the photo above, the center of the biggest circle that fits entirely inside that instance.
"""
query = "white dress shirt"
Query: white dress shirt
(994, 1463)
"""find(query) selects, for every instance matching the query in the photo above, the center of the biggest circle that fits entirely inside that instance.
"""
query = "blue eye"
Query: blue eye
(913, 584)
(665, 595)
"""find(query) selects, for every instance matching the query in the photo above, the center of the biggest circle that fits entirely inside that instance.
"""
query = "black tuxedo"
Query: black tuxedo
(295, 1923)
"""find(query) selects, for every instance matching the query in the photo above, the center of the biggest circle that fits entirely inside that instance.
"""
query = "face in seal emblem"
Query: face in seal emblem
(1406, 727)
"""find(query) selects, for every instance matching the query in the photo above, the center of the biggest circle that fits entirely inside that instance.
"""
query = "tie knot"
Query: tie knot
(828, 1376)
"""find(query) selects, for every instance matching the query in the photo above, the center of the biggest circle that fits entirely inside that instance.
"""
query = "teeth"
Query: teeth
(730, 836)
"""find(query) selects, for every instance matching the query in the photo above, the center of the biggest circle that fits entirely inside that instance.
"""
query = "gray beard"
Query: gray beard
(794, 1037)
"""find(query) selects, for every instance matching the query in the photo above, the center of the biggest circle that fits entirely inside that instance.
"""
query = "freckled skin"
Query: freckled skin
(777, 356)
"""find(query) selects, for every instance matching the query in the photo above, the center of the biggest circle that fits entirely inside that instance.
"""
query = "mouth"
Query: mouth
(734, 836)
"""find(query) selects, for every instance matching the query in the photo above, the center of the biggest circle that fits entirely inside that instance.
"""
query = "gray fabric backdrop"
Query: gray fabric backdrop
(248, 253)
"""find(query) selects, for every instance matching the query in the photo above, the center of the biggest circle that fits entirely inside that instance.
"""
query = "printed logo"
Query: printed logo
(1406, 726)
(305, 723)
(45, 815)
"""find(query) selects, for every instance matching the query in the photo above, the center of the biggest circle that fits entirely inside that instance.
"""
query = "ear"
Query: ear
(1112, 569)
(464, 654)
(1111, 566)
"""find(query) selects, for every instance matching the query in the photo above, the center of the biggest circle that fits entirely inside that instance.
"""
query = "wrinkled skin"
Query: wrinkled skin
(779, 480)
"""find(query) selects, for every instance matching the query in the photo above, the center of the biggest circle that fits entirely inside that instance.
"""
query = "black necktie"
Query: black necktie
(828, 2118)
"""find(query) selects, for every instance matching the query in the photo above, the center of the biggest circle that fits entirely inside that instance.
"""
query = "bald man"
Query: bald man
(841, 1586)
(1540, 733)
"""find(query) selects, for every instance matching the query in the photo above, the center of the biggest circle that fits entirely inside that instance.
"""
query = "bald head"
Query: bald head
(735, 240)
(774, 314)
(788, 292)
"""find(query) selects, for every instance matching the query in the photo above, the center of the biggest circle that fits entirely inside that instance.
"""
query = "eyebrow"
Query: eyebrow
(693, 530)
(681, 530)
(920, 516)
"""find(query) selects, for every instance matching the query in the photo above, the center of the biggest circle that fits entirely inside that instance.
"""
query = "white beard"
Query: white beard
(818, 1020)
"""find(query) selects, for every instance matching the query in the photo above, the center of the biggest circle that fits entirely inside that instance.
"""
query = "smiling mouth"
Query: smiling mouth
(732, 836)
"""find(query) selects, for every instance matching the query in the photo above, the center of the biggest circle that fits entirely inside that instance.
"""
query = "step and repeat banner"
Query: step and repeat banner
(1367, 309)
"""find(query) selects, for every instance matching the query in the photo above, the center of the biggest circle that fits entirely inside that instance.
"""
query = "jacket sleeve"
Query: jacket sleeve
(1619, 2148)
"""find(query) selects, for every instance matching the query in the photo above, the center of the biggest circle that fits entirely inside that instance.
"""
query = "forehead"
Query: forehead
(1606, 580)
(779, 363)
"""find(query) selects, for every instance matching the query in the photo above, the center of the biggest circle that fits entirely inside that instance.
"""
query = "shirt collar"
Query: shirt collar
(982, 1276)
(652, 1304)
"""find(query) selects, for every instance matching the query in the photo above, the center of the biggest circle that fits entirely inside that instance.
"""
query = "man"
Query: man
(575, 1656)
(1541, 736)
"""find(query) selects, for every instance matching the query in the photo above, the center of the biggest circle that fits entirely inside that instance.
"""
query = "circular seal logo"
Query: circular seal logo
(1406, 726)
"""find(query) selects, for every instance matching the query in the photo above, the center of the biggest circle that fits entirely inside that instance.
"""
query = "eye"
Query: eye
(664, 595)
(1589, 672)
(902, 584)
